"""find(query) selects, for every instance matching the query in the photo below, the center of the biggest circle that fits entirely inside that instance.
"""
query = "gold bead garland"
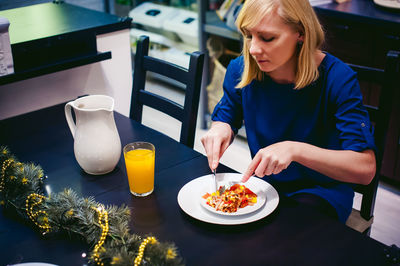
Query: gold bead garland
(18, 179)
(102, 215)
(147, 240)
(4, 167)
(33, 215)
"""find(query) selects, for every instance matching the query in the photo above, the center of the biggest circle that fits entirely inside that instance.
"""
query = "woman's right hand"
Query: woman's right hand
(216, 141)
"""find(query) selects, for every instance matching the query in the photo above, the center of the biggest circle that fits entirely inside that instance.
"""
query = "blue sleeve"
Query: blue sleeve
(229, 109)
(352, 119)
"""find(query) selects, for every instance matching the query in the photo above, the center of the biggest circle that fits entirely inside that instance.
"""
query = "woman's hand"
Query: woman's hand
(216, 141)
(271, 160)
(343, 165)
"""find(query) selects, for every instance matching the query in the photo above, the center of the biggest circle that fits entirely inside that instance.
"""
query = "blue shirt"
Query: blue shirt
(328, 113)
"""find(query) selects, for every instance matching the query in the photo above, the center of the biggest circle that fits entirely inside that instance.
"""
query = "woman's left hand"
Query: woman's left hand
(343, 165)
(271, 160)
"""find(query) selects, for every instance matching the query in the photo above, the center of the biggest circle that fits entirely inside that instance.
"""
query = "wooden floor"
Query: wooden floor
(386, 227)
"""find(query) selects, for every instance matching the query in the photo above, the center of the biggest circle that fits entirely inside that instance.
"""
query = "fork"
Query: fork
(231, 183)
(214, 171)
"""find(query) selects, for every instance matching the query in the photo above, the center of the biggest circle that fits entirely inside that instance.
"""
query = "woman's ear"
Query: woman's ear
(300, 41)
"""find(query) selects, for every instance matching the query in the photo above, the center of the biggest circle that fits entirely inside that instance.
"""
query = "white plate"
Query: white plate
(188, 200)
(260, 191)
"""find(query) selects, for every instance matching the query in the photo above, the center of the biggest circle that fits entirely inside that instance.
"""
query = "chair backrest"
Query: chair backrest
(191, 77)
(389, 80)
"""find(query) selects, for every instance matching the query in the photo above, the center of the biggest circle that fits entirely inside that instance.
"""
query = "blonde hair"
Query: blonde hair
(301, 17)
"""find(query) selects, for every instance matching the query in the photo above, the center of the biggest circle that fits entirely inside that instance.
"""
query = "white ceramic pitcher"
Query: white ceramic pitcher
(97, 145)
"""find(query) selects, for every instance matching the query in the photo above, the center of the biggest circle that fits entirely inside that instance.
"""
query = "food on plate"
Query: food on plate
(230, 200)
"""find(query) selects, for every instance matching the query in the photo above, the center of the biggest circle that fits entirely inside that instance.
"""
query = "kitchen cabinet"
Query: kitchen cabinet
(62, 51)
(358, 32)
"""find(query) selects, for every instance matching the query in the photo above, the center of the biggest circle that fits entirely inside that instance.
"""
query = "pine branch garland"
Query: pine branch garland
(21, 189)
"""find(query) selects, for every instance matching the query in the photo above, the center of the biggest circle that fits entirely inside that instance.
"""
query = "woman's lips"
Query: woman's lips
(261, 61)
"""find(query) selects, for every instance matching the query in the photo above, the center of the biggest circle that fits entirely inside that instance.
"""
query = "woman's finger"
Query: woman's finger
(262, 166)
(250, 169)
(272, 163)
(224, 145)
(208, 144)
(279, 168)
(215, 153)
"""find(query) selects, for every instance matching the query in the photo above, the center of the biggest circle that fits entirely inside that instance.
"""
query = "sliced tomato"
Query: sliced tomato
(244, 204)
(234, 187)
(249, 192)
(206, 195)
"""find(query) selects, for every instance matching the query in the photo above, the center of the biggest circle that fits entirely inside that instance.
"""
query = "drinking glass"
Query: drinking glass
(139, 162)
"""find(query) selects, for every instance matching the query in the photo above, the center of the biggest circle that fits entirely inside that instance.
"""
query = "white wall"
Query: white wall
(111, 77)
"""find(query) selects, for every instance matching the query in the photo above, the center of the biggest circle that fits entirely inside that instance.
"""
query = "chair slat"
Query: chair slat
(162, 104)
(369, 74)
(165, 68)
(373, 112)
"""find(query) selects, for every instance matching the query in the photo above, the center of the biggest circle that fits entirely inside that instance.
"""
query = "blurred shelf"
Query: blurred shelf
(216, 26)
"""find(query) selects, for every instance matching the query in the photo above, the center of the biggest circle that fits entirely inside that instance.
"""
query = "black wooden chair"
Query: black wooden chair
(389, 80)
(191, 77)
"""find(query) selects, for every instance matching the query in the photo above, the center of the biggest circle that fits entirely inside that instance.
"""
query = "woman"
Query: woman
(306, 127)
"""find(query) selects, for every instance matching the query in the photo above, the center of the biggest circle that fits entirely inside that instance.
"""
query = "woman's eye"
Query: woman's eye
(268, 39)
(248, 37)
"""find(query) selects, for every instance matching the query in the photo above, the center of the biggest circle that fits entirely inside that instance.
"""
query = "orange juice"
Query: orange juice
(140, 169)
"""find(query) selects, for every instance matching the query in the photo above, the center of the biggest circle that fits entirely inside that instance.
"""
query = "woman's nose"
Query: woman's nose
(255, 48)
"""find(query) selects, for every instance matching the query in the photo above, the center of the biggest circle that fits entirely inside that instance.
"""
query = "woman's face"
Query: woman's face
(272, 44)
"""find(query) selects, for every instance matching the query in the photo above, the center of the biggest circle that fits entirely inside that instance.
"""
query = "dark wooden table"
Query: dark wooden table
(291, 235)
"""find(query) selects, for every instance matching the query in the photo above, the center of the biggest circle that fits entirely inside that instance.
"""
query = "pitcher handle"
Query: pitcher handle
(68, 116)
